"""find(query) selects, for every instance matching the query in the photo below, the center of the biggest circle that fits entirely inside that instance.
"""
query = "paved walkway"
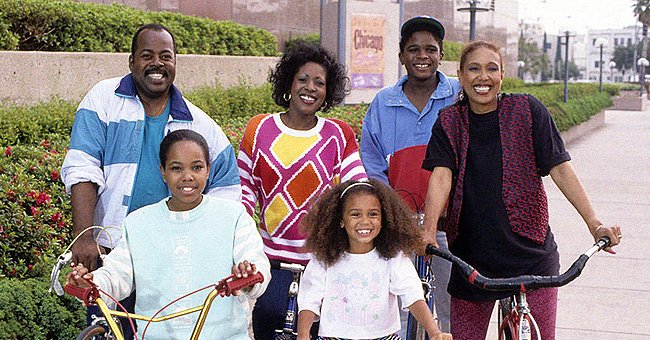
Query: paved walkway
(612, 297)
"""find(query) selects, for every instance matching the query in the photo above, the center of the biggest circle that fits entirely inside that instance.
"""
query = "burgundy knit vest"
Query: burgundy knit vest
(522, 190)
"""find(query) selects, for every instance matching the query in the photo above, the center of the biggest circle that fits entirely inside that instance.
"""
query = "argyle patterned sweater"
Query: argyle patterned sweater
(285, 170)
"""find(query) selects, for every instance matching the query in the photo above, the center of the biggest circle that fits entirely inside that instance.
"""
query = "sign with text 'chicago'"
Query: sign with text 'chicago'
(367, 53)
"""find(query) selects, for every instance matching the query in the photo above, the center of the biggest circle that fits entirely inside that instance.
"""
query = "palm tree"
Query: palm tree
(642, 10)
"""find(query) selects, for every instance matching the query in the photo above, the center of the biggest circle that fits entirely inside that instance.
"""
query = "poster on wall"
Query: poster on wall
(367, 52)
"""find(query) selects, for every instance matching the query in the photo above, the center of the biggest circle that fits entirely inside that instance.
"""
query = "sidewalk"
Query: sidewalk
(610, 300)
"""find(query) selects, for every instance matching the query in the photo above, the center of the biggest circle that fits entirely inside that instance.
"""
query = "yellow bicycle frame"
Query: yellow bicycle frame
(203, 309)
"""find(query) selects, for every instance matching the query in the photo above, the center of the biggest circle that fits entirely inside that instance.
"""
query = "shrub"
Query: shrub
(35, 214)
(452, 50)
(8, 40)
(30, 125)
(313, 38)
(29, 311)
(64, 25)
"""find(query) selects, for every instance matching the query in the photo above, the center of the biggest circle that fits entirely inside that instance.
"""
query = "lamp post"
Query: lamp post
(473, 6)
(612, 64)
(601, 42)
(642, 63)
(567, 35)
(520, 66)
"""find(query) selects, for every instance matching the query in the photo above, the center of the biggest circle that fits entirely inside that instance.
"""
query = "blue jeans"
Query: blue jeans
(441, 270)
(271, 308)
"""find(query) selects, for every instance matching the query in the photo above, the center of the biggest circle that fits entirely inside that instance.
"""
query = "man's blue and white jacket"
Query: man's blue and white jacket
(106, 142)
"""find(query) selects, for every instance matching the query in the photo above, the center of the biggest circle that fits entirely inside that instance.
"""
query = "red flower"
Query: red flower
(11, 195)
(34, 211)
(61, 223)
(55, 217)
(8, 151)
(31, 194)
(54, 175)
(42, 198)
(45, 144)
(30, 266)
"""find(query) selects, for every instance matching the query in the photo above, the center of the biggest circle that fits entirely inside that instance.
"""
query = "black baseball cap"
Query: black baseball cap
(423, 23)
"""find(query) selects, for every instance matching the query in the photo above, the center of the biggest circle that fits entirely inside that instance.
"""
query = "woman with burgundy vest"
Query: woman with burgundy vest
(488, 153)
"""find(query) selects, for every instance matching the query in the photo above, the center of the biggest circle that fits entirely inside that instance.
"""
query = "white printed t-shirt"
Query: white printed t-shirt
(357, 296)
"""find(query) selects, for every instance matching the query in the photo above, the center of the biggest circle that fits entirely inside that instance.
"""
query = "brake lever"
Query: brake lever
(62, 261)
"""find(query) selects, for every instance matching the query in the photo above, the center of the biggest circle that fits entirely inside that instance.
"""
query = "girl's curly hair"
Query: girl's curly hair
(328, 241)
(337, 82)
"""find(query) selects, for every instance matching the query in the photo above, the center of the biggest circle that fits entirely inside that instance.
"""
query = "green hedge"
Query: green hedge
(48, 25)
(452, 50)
(584, 99)
(313, 38)
(29, 311)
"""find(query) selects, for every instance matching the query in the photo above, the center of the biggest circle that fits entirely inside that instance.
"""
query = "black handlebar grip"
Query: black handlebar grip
(604, 242)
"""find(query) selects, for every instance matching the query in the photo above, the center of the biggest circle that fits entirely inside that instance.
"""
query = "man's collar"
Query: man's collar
(178, 110)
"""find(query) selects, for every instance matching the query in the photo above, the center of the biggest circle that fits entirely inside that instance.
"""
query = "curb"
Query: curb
(576, 132)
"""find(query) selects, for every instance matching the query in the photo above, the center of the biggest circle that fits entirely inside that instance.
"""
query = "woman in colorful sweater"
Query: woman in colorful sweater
(488, 153)
(288, 159)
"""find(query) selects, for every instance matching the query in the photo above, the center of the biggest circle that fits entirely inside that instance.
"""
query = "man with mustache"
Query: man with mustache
(112, 165)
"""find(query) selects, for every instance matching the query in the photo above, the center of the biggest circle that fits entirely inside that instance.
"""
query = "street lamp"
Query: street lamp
(473, 6)
(642, 63)
(567, 35)
(612, 64)
(602, 42)
(520, 65)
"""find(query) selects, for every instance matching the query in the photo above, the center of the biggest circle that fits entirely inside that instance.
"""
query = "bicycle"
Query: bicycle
(414, 331)
(288, 331)
(516, 321)
(107, 326)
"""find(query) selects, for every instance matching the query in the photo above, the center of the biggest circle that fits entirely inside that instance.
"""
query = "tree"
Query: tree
(536, 61)
(574, 71)
(642, 9)
(624, 56)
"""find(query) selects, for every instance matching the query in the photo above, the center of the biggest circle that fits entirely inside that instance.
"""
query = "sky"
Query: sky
(577, 15)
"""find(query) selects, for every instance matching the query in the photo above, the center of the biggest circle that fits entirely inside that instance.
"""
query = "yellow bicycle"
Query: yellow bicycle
(107, 327)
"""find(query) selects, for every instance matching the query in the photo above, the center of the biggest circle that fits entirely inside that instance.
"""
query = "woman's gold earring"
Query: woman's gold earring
(286, 97)
(342, 225)
(461, 95)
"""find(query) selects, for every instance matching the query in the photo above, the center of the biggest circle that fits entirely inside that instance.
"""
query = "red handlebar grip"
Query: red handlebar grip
(88, 294)
(237, 284)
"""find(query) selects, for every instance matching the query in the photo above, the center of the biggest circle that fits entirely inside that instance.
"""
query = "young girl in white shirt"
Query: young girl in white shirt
(360, 234)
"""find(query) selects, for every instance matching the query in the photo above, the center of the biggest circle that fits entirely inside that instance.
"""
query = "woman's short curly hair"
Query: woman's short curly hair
(337, 82)
(328, 241)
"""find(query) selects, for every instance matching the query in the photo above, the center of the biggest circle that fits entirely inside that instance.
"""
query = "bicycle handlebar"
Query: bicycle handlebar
(292, 267)
(225, 287)
(523, 282)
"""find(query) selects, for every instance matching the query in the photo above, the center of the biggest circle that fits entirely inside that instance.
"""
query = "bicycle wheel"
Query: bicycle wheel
(95, 332)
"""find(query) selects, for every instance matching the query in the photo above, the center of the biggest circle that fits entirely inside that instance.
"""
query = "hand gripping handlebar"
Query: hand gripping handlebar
(86, 294)
(524, 282)
(230, 284)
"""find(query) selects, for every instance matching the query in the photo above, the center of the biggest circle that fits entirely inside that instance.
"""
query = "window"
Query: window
(593, 42)
(596, 63)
